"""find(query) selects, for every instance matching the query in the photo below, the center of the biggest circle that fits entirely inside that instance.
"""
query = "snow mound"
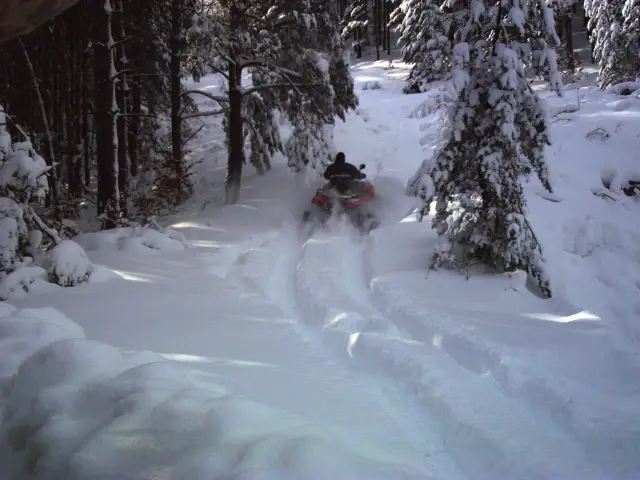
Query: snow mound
(134, 239)
(22, 281)
(69, 264)
(75, 409)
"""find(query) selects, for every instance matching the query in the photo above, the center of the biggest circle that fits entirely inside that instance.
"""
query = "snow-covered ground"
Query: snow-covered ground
(239, 348)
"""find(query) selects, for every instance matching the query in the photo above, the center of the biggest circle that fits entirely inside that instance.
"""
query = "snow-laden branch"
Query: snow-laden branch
(226, 58)
(295, 86)
(205, 114)
(268, 66)
(215, 98)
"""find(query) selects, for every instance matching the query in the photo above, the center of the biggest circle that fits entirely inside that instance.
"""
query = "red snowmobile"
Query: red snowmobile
(343, 195)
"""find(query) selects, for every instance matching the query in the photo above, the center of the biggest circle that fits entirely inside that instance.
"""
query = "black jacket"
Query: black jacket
(343, 169)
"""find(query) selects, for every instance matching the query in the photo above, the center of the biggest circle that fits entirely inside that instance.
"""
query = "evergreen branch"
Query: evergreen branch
(188, 139)
(221, 72)
(226, 58)
(215, 98)
(204, 114)
(274, 68)
(533, 233)
(121, 72)
(294, 86)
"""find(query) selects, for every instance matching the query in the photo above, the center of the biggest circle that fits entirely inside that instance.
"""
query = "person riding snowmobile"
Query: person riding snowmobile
(341, 174)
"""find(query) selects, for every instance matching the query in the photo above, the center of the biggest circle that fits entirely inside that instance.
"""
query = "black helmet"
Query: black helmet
(340, 158)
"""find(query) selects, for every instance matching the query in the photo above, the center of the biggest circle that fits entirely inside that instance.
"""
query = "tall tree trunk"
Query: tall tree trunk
(387, 30)
(105, 117)
(134, 130)
(235, 138)
(49, 156)
(176, 102)
(376, 26)
(568, 31)
(122, 97)
(235, 126)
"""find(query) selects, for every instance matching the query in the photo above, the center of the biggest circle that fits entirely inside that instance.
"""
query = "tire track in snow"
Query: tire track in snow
(475, 415)
(279, 253)
(552, 402)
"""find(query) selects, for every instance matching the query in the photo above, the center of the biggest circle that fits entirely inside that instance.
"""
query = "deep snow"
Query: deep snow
(238, 348)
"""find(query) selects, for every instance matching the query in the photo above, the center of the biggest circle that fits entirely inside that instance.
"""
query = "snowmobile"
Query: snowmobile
(343, 195)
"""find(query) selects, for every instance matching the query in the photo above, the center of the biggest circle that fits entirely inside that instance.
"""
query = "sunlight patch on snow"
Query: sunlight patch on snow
(246, 207)
(364, 78)
(198, 226)
(251, 318)
(410, 219)
(133, 277)
(316, 241)
(583, 315)
(351, 344)
(205, 244)
(337, 319)
(187, 358)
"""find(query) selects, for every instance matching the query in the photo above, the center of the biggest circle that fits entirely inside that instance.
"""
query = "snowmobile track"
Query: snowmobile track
(324, 283)
(333, 289)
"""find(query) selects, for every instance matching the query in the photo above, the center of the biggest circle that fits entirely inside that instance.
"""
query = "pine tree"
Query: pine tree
(425, 42)
(631, 33)
(294, 54)
(495, 132)
(563, 12)
(355, 23)
(613, 30)
(23, 184)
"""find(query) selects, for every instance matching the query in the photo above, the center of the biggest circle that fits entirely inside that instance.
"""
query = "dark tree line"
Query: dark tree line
(100, 90)
(368, 23)
(93, 86)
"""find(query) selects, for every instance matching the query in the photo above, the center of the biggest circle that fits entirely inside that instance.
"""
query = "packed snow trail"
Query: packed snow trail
(345, 344)
(198, 308)
(489, 434)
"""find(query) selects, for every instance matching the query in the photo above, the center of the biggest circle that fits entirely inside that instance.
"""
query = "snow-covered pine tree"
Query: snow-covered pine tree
(23, 182)
(495, 132)
(294, 52)
(313, 116)
(354, 24)
(537, 42)
(631, 33)
(612, 36)
(425, 42)
(563, 12)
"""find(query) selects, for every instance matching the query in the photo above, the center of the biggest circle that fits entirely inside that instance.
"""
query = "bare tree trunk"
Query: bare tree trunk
(235, 127)
(106, 117)
(134, 130)
(49, 157)
(123, 93)
(387, 30)
(176, 102)
(376, 26)
(235, 138)
(568, 31)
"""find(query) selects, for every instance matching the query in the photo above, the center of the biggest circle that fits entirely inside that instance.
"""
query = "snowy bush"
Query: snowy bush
(22, 261)
(144, 239)
(68, 264)
(372, 85)
(624, 88)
